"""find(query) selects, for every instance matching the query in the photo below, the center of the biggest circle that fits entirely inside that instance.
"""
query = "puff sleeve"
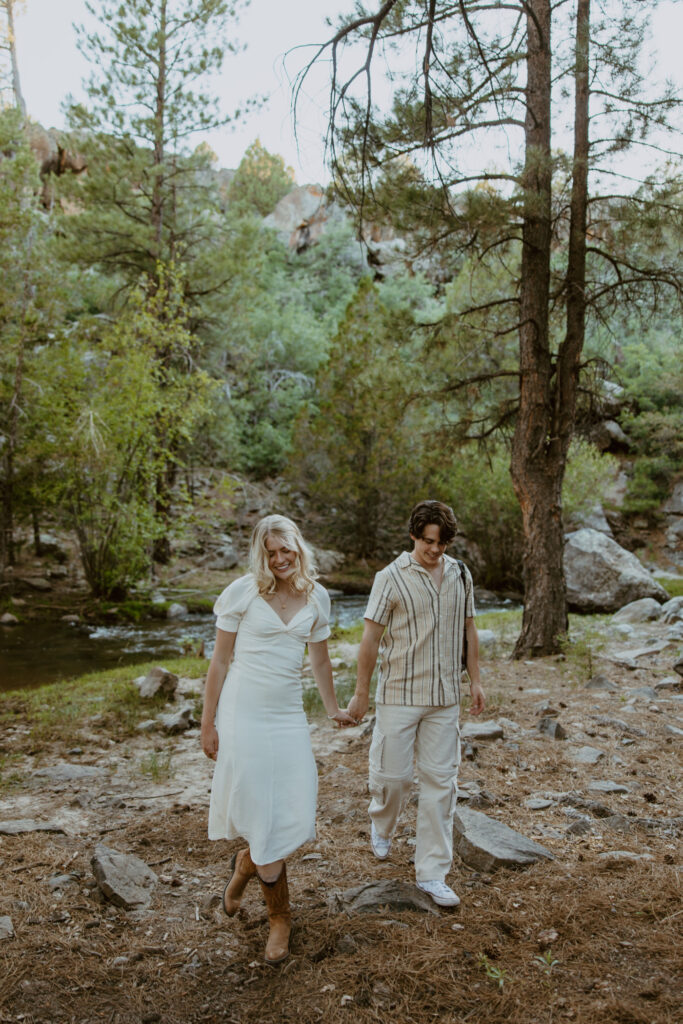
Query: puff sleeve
(233, 602)
(320, 630)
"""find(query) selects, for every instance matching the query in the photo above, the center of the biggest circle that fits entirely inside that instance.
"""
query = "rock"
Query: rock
(644, 693)
(546, 710)
(674, 504)
(66, 772)
(624, 856)
(644, 610)
(6, 928)
(157, 680)
(381, 896)
(481, 731)
(599, 683)
(586, 755)
(487, 641)
(602, 576)
(674, 533)
(552, 728)
(535, 803)
(177, 721)
(594, 519)
(73, 620)
(669, 683)
(673, 730)
(21, 826)
(580, 826)
(176, 611)
(546, 938)
(672, 611)
(608, 436)
(327, 560)
(62, 881)
(606, 786)
(8, 619)
(575, 800)
(36, 583)
(486, 844)
(224, 559)
(628, 657)
(678, 667)
(618, 823)
(123, 878)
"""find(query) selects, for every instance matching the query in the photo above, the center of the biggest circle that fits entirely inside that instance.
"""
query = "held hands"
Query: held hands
(477, 698)
(343, 719)
(209, 739)
(358, 708)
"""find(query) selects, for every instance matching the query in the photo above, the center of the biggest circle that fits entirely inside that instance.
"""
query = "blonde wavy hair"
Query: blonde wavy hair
(290, 535)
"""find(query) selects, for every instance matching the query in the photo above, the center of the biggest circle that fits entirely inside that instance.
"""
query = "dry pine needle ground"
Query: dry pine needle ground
(615, 959)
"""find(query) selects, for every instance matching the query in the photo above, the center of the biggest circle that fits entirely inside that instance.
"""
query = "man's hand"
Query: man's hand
(478, 699)
(358, 707)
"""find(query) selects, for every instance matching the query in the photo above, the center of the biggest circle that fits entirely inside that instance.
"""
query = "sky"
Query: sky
(51, 67)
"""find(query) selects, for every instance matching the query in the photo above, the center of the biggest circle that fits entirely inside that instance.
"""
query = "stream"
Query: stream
(44, 652)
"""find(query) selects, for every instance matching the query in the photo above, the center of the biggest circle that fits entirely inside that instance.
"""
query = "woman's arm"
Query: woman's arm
(218, 669)
(322, 673)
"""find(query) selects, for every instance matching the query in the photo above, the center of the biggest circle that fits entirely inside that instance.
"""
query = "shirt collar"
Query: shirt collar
(406, 561)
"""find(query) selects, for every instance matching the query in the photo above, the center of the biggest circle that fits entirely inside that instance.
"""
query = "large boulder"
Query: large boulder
(601, 576)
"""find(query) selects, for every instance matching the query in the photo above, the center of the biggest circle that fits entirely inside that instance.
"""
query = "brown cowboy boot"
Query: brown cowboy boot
(276, 895)
(243, 868)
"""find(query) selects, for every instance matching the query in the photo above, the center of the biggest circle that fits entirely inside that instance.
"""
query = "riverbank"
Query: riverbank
(590, 936)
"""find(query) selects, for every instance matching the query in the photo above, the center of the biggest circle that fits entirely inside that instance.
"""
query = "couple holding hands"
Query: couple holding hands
(419, 615)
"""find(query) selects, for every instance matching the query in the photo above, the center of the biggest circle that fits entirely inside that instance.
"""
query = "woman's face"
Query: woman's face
(282, 560)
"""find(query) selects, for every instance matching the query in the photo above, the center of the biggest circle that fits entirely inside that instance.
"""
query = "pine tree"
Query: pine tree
(494, 72)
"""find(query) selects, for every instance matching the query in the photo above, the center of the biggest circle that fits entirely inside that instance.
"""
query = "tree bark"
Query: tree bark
(159, 131)
(19, 101)
(536, 464)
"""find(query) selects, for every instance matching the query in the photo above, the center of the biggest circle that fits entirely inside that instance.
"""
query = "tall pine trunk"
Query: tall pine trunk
(548, 386)
(535, 465)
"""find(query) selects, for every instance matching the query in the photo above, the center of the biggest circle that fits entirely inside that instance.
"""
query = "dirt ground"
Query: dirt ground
(588, 937)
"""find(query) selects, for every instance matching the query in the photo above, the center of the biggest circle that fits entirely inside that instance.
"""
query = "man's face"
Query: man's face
(428, 549)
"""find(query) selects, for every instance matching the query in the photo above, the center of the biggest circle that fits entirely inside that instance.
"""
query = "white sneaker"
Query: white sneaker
(380, 847)
(440, 893)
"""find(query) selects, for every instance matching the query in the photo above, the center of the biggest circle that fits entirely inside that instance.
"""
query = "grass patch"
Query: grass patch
(157, 765)
(673, 587)
(107, 700)
(9, 775)
(199, 604)
(349, 634)
(502, 622)
(132, 610)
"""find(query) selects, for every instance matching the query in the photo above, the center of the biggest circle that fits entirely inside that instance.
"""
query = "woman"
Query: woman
(265, 781)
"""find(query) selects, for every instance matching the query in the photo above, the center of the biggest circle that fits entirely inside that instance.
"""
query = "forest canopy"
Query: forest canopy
(421, 329)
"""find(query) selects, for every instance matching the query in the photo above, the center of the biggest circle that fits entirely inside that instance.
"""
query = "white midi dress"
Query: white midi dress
(265, 782)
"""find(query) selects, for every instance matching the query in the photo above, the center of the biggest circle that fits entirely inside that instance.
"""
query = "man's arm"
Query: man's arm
(367, 659)
(476, 692)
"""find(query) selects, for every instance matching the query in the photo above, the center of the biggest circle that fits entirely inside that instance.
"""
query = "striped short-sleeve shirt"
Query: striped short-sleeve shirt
(421, 647)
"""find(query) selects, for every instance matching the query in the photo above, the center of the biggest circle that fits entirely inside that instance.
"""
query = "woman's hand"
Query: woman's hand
(209, 737)
(343, 719)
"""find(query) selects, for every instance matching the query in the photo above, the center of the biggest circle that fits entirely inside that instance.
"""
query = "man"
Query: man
(419, 608)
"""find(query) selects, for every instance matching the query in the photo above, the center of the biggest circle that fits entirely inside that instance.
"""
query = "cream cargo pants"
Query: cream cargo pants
(432, 734)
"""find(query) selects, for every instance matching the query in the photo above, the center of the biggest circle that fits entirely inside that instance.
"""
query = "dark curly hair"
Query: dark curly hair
(436, 513)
